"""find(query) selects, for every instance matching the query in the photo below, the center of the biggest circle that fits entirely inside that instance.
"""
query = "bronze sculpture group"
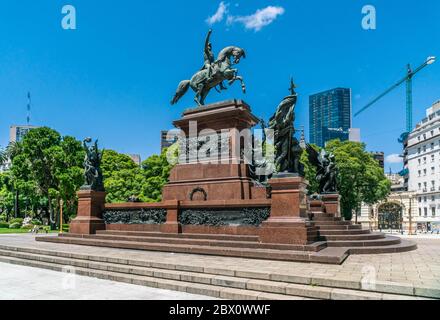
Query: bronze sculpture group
(93, 179)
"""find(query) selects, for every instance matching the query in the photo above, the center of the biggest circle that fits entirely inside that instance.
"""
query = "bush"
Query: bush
(16, 220)
(37, 222)
(4, 225)
(28, 227)
(15, 225)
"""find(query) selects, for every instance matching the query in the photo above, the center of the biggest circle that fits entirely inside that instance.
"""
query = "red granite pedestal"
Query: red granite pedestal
(332, 204)
(90, 208)
(288, 222)
(223, 176)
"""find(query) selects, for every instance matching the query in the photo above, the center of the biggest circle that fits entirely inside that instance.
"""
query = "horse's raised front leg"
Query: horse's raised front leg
(243, 85)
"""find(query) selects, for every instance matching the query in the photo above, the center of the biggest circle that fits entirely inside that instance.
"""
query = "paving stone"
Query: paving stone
(252, 274)
(394, 287)
(427, 292)
(205, 290)
(309, 291)
(219, 271)
(238, 294)
(290, 278)
(194, 277)
(267, 286)
(342, 294)
(229, 282)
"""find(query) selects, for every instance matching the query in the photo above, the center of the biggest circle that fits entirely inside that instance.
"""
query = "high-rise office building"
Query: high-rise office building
(330, 116)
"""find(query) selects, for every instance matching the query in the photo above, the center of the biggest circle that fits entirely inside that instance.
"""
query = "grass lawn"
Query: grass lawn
(15, 231)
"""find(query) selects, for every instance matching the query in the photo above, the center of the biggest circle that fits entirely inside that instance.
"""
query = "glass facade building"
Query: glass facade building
(330, 116)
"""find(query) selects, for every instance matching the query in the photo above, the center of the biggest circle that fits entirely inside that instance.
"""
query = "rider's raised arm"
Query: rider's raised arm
(208, 36)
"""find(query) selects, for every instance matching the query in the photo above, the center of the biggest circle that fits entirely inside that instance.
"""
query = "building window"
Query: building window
(418, 138)
(432, 158)
(424, 172)
(420, 212)
(426, 211)
(424, 160)
(432, 133)
(432, 170)
(419, 150)
(424, 148)
(420, 173)
(433, 211)
(424, 199)
(420, 199)
(424, 136)
(420, 186)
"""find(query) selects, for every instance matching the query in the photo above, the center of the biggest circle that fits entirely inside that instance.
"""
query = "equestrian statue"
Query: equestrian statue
(213, 73)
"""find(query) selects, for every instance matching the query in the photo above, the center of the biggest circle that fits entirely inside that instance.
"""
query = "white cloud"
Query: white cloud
(258, 20)
(393, 158)
(219, 15)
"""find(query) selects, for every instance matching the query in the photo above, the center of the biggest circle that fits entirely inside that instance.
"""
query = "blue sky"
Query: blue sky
(114, 76)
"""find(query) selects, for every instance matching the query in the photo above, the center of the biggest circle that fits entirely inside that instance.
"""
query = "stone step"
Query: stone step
(321, 214)
(320, 219)
(166, 284)
(339, 227)
(357, 237)
(181, 235)
(386, 241)
(271, 254)
(403, 246)
(201, 242)
(294, 278)
(319, 223)
(224, 287)
(344, 232)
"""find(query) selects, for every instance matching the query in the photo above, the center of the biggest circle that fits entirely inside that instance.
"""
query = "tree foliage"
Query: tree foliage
(360, 177)
(46, 168)
(124, 179)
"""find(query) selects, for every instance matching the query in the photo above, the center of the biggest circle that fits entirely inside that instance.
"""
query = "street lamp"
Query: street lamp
(430, 60)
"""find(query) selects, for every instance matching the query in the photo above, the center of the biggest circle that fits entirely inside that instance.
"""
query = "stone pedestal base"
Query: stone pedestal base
(288, 222)
(172, 224)
(90, 209)
(331, 204)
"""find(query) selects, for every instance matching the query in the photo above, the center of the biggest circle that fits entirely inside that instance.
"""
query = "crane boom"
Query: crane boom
(408, 80)
(381, 96)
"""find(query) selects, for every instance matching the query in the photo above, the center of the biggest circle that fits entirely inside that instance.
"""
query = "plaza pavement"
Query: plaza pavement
(416, 269)
(26, 283)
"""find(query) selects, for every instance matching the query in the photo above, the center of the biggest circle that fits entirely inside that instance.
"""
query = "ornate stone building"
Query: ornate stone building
(398, 212)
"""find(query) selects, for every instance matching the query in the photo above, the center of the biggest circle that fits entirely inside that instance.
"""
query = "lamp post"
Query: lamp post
(410, 216)
(61, 215)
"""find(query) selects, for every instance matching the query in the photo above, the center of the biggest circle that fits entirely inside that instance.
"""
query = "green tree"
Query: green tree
(51, 167)
(124, 179)
(310, 171)
(360, 178)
